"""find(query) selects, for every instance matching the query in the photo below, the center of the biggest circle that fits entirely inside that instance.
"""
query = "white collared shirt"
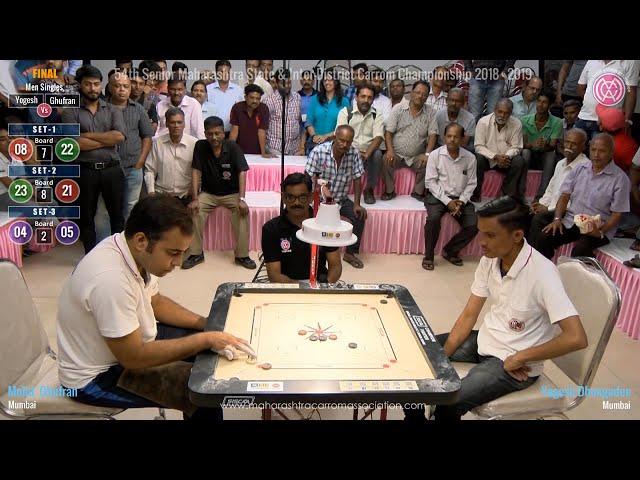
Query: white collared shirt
(528, 301)
(105, 296)
(193, 122)
(552, 193)
(490, 141)
(446, 177)
(168, 166)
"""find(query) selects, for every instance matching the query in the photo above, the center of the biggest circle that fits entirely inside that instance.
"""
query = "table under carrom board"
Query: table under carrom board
(377, 347)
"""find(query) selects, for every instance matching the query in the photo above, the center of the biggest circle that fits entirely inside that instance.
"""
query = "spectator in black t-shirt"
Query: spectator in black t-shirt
(288, 259)
(221, 167)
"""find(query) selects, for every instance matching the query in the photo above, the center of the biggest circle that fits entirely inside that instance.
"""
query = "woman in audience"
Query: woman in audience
(322, 115)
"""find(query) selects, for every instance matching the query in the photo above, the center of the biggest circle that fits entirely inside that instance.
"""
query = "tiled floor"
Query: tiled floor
(440, 294)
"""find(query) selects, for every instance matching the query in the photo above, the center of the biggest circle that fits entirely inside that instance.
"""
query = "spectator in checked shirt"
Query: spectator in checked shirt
(293, 141)
(339, 163)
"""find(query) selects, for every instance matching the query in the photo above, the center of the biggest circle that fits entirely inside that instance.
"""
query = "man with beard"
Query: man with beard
(287, 258)
(369, 127)
(177, 88)
(101, 130)
(498, 143)
(220, 168)
(455, 113)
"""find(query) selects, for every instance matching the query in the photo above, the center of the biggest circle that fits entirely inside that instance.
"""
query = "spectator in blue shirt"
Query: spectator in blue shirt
(322, 114)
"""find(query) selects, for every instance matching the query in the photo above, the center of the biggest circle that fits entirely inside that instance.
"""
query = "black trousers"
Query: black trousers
(546, 244)
(111, 183)
(347, 211)
(514, 183)
(467, 221)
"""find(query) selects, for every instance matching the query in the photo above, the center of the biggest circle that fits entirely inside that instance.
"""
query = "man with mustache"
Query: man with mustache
(287, 258)
(369, 127)
(219, 179)
(101, 131)
(177, 87)
(574, 145)
(597, 188)
(498, 144)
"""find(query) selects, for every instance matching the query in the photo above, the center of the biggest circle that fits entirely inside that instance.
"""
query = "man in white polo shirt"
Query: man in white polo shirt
(111, 348)
(520, 330)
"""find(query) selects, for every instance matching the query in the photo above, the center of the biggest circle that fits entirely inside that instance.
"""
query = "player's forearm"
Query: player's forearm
(162, 352)
(558, 346)
(277, 277)
(170, 313)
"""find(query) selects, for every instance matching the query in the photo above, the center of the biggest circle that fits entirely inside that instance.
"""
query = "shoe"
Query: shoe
(417, 196)
(457, 261)
(634, 262)
(427, 264)
(192, 261)
(352, 260)
(388, 196)
(369, 197)
(246, 262)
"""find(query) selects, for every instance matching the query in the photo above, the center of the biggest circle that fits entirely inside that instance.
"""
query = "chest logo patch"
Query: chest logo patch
(226, 175)
(285, 245)
(516, 325)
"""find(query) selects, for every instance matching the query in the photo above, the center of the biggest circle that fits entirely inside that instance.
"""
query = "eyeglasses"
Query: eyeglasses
(304, 198)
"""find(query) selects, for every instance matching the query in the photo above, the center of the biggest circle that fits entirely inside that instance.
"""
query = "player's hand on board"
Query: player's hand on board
(229, 345)
(553, 227)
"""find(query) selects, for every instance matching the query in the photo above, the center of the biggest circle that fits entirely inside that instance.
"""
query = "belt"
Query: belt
(100, 165)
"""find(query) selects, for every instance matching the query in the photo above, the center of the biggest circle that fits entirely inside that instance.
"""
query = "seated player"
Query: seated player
(288, 259)
(596, 188)
(450, 179)
(111, 348)
(518, 330)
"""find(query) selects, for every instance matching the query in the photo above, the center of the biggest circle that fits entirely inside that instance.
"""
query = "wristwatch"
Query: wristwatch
(629, 121)
(242, 199)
